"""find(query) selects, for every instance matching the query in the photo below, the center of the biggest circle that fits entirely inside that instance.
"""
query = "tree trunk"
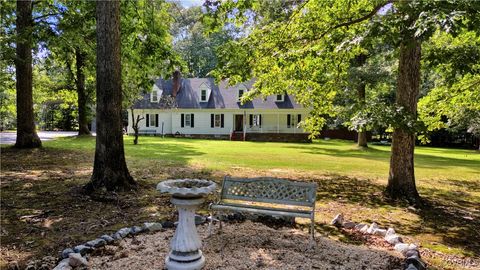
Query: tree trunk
(109, 169)
(26, 135)
(135, 126)
(362, 134)
(401, 180)
(82, 97)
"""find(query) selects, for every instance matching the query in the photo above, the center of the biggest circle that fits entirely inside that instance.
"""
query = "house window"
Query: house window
(151, 120)
(203, 95)
(186, 120)
(217, 120)
(290, 120)
(279, 98)
(240, 93)
(255, 120)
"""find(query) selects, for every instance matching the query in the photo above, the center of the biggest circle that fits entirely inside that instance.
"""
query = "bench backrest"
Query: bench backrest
(269, 190)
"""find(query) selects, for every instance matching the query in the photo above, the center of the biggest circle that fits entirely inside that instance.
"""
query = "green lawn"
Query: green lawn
(47, 182)
(326, 157)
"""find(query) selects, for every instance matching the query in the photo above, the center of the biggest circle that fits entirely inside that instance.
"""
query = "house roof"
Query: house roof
(222, 96)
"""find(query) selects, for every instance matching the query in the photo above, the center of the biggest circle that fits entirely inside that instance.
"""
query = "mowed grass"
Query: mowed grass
(46, 183)
(321, 156)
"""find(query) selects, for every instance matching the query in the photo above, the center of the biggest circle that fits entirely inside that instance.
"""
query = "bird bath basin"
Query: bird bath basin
(187, 195)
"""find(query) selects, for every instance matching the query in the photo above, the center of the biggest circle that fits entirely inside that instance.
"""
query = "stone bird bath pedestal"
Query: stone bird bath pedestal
(187, 195)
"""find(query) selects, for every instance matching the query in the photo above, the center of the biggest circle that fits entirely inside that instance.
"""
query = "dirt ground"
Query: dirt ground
(44, 210)
(248, 245)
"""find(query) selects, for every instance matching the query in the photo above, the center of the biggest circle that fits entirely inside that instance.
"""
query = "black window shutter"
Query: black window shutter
(251, 120)
(147, 118)
(221, 120)
(191, 121)
(288, 120)
(299, 118)
(156, 120)
(260, 120)
(182, 120)
(212, 120)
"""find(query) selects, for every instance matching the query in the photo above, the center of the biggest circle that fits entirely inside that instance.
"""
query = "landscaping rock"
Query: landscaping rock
(107, 238)
(411, 267)
(123, 232)
(412, 253)
(136, 230)
(401, 247)
(152, 226)
(349, 224)
(67, 251)
(372, 228)
(199, 220)
(82, 249)
(360, 226)
(63, 265)
(99, 242)
(417, 263)
(168, 224)
(337, 221)
(380, 232)
(393, 239)
(75, 259)
(389, 232)
(364, 229)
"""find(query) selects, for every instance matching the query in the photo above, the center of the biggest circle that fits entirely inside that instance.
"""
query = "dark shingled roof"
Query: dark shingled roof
(221, 97)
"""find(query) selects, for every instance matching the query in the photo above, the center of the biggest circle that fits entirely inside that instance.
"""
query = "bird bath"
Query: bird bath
(187, 195)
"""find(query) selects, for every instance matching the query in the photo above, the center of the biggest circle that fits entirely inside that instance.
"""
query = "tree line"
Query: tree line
(411, 67)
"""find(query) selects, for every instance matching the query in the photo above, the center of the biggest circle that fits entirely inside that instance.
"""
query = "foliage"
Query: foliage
(7, 99)
(307, 49)
(147, 52)
(454, 100)
(190, 42)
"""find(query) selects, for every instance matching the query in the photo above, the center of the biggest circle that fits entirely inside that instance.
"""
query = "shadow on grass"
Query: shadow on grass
(452, 215)
(378, 154)
(44, 209)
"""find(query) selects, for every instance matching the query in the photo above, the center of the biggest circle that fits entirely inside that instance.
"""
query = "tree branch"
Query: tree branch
(344, 24)
(46, 15)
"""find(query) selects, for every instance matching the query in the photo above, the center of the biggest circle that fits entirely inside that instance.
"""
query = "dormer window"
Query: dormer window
(154, 96)
(203, 95)
(279, 98)
(240, 93)
(203, 92)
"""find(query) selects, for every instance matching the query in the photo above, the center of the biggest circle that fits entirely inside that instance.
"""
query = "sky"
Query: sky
(190, 3)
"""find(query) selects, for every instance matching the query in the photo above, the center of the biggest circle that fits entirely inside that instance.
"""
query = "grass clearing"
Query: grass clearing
(43, 209)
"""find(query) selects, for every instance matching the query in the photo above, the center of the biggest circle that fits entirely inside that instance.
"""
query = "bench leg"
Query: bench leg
(312, 232)
(210, 225)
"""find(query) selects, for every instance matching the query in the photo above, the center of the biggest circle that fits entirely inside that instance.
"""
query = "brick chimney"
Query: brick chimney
(176, 82)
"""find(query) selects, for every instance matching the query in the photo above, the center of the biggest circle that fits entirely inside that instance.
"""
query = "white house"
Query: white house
(206, 110)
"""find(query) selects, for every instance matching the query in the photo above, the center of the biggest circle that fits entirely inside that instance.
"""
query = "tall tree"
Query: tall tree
(308, 51)
(26, 135)
(401, 177)
(110, 169)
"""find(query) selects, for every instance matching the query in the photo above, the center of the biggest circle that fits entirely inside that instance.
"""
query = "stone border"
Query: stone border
(74, 257)
(410, 252)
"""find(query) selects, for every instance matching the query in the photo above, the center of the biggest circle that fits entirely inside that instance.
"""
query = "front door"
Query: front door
(239, 122)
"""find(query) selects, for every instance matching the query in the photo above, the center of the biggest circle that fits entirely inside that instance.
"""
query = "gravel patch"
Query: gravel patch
(247, 245)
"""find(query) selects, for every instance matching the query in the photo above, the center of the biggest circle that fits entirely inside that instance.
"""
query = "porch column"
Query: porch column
(278, 123)
(244, 125)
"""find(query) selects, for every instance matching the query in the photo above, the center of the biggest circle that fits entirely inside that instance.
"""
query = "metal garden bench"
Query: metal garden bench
(270, 196)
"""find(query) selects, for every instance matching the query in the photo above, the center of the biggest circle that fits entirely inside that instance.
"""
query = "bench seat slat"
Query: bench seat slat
(263, 210)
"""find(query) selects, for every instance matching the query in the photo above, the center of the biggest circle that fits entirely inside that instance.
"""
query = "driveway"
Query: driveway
(10, 137)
